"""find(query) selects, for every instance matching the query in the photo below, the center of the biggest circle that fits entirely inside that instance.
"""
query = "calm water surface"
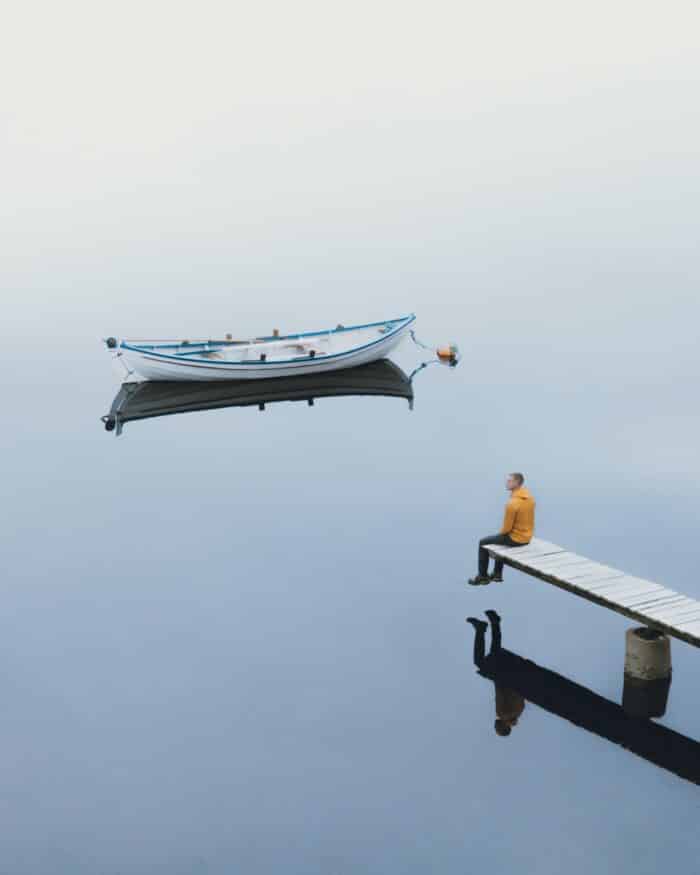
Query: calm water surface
(235, 641)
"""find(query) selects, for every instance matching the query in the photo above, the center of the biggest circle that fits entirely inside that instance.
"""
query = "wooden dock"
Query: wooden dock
(648, 603)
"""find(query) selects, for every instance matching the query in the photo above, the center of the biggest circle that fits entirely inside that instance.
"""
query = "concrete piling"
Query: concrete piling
(647, 679)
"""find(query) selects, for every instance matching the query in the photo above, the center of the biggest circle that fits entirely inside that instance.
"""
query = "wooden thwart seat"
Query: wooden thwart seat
(646, 602)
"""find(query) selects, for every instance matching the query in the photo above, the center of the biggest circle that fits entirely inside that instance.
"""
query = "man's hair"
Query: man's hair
(516, 475)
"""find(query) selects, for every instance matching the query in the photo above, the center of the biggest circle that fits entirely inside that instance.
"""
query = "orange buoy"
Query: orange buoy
(448, 353)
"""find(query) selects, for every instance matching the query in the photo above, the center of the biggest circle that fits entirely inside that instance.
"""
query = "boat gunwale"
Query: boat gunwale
(154, 355)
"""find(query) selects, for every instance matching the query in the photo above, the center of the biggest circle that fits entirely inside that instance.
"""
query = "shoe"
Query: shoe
(479, 580)
(495, 578)
(493, 616)
(477, 624)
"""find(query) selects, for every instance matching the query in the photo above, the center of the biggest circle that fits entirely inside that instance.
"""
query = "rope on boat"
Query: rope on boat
(128, 370)
(420, 343)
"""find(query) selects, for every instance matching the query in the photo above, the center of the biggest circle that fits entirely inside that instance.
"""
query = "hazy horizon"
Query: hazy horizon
(235, 641)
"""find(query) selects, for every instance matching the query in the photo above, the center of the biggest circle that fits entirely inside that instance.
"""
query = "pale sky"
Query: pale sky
(310, 152)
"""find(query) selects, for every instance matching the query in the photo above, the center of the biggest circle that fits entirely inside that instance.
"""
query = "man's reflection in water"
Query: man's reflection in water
(518, 680)
(509, 703)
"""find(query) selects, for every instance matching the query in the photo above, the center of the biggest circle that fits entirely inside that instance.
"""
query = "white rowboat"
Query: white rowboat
(262, 357)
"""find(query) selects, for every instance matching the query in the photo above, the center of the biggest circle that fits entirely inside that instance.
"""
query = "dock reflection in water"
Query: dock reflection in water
(147, 400)
(518, 681)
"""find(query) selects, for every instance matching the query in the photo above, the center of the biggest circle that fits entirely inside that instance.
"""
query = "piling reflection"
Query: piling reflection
(146, 400)
(520, 680)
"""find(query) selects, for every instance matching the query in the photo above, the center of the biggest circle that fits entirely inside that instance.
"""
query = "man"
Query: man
(500, 665)
(517, 530)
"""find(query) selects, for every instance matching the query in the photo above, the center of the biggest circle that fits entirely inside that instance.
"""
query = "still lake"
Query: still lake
(235, 640)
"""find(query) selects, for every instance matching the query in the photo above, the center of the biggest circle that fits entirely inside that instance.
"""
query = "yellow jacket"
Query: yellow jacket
(519, 518)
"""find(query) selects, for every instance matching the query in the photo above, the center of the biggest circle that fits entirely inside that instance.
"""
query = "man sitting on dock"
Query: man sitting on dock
(517, 530)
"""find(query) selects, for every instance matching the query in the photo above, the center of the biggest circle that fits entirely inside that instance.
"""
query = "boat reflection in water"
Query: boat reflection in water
(518, 681)
(146, 400)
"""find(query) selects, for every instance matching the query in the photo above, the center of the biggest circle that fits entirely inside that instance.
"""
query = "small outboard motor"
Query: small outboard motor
(111, 342)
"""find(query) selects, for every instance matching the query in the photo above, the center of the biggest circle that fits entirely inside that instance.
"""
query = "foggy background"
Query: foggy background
(235, 641)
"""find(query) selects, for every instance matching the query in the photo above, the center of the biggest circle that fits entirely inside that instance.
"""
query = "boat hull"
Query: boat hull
(153, 365)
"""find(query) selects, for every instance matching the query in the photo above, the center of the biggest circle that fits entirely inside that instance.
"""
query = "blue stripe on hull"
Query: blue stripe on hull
(152, 355)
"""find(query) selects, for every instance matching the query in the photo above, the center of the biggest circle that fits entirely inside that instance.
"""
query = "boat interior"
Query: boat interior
(321, 343)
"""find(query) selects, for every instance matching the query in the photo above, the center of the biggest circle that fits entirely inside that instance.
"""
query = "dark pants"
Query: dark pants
(480, 658)
(501, 541)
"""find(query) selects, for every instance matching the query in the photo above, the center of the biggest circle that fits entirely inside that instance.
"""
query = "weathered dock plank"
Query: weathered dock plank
(644, 601)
